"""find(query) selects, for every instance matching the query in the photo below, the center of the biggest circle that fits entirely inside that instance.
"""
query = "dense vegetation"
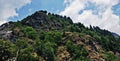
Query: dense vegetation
(50, 37)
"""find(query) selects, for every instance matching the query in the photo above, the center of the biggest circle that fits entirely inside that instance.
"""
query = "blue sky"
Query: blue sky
(53, 6)
(102, 13)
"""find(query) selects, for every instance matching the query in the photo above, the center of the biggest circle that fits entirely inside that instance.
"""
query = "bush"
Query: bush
(30, 32)
(79, 53)
(7, 50)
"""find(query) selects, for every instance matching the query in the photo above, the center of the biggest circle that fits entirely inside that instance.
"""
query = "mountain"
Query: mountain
(116, 35)
(45, 36)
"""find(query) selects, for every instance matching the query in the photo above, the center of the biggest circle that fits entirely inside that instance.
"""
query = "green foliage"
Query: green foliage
(79, 53)
(42, 35)
(111, 57)
(46, 50)
(74, 28)
(27, 55)
(30, 32)
(7, 50)
(22, 44)
(53, 37)
(18, 24)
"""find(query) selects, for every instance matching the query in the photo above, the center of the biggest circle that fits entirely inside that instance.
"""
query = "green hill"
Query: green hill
(46, 36)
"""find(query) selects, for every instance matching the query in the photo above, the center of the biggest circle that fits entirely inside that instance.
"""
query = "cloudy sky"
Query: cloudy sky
(102, 13)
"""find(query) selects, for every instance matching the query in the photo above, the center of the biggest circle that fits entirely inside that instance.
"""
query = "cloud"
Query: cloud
(8, 8)
(67, 1)
(94, 12)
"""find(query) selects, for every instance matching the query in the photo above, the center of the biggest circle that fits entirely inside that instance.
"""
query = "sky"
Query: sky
(102, 13)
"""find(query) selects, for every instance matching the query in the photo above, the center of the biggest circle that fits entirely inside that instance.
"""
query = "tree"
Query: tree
(46, 50)
(27, 55)
(43, 11)
(53, 37)
(30, 32)
(111, 57)
(21, 44)
(91, 28)
(7, 50)
(70, 20)
(79, 53)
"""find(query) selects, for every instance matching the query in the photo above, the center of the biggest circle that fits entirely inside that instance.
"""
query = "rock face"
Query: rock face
(5, 34)
(41, 19)
(35, 20)
(63, 54)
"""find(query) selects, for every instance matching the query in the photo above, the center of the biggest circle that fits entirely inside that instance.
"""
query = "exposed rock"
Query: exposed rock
(63, 54)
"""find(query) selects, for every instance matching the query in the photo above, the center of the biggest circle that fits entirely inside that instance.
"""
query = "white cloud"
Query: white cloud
(67, 1)
(8, 8)
(105, 18)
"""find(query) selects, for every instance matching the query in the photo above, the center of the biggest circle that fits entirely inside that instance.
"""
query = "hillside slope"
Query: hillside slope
(45, 36)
